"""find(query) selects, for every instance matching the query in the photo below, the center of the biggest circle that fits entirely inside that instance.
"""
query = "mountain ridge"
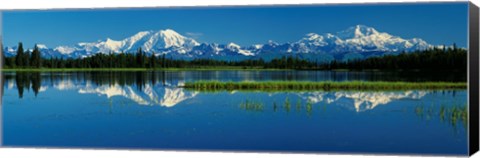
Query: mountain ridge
(358, 41)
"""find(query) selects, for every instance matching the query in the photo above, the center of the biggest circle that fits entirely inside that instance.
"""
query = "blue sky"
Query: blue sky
(437, 23)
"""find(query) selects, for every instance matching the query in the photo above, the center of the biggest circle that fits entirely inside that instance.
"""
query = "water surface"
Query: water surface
(147, 110)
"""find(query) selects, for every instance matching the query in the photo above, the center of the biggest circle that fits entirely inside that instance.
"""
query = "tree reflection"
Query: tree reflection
(26, 80)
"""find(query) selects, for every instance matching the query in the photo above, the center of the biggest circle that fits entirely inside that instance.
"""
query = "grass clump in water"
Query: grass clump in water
(450, 114)
(309, 107)
(251, 105)
(287, 105)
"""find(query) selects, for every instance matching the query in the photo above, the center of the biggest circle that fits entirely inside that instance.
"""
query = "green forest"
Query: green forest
(451, 58)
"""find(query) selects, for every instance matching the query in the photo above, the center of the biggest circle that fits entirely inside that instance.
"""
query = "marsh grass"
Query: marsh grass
(309, 108)
(275, 106)
(287, 104)
(250, 105)
(448, 114)
(298, 106)
(323, 85)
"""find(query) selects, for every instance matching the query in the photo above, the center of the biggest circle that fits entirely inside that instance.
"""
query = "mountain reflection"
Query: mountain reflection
(147, 95)
(144, 88)
(161, 88)
(362, 101)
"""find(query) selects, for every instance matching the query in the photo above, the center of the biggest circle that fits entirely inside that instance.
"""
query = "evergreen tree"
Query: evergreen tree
(19, 57)
(36, 58)
(164, 62)
(26, 59)
(152, 61)
(140, 59)
(3, 60)
(123, 60)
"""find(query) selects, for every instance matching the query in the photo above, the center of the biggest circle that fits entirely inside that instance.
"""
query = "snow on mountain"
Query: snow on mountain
(42, 46)
(64, 50)
(357, 39)
(355, 42)
(229, 51)
(10, 51)
(149, 41)
(365, 38)
(358, 31)
(236, 48)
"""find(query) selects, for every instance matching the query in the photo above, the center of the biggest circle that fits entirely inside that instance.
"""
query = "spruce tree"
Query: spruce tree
(152, 61)
(35, 58)
(164, 64)
(140, 58)
(19, 56)
(3, 60)
(26, 59)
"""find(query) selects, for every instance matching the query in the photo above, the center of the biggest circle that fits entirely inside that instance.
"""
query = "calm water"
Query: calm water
(147, 110)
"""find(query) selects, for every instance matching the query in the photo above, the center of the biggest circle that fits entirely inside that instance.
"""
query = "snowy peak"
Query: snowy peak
(357, 31)
(313, 36)
(313, 39)
(168, 38)
(233, 46)
(236, 48)
(362, 30)
(42, 46)
(109, 45)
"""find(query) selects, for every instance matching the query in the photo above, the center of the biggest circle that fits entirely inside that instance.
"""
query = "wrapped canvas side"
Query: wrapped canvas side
(473, 79)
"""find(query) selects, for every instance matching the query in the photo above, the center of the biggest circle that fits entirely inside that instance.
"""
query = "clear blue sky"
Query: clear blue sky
(437, 23)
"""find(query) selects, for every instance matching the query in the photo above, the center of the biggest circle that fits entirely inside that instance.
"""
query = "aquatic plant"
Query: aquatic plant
(451, 114)
(274, 106)
(251, 105)
(309, 107)
(298, 106)
(287, 104)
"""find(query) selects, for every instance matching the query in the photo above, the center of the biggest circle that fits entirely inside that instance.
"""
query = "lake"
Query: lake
(148, 110)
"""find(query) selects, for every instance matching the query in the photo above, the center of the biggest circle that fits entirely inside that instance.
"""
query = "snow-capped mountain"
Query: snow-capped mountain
(162, 41)
(355, 42)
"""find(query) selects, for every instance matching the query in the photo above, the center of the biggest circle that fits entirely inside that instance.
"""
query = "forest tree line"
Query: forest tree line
(431, 59)
(451, 58)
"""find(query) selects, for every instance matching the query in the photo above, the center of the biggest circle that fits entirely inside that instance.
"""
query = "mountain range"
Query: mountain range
(355, 42)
